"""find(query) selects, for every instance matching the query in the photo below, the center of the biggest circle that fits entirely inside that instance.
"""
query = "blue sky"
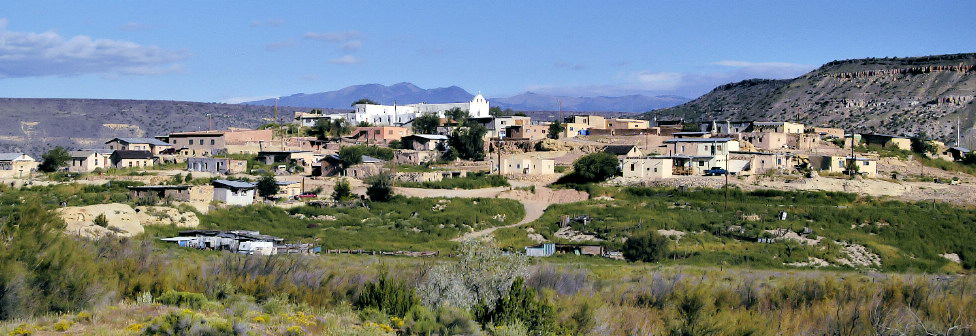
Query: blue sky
(231, 51)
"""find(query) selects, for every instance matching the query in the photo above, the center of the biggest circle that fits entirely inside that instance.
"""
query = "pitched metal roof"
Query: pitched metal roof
(126, 154)
(675, 140)
(234, 184)
(150, 141)
(370, 159)
(618, 149)
(10, 156)
(428, 136)
(81, 153)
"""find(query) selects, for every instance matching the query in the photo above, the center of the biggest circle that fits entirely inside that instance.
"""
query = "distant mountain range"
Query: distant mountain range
(902, 96)
(407, 93)
(34, 125)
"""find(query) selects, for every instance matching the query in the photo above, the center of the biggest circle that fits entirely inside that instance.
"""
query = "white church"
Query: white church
(398, 115)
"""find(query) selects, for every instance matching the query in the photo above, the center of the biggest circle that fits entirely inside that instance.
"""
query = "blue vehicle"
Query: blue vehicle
(716, 171)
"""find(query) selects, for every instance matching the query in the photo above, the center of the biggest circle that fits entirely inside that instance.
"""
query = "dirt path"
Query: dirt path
(535, 203)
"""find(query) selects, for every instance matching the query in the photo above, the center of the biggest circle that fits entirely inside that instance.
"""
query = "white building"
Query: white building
(233, 192)
(524, 165)
(397, 115)
(651, 168)
(696, 155)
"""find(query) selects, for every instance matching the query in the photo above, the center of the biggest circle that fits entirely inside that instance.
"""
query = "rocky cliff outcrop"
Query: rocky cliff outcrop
(886, 95)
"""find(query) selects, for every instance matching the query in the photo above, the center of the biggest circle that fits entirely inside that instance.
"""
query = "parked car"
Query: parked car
(306, 195)
(716, 171)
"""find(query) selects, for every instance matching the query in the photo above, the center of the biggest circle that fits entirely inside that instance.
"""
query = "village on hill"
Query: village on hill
(424, 150)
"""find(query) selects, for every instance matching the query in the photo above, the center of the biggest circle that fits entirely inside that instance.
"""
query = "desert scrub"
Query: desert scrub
(471, 181)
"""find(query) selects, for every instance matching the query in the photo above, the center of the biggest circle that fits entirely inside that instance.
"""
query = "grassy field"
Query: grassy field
(413, 224)
(906, 236)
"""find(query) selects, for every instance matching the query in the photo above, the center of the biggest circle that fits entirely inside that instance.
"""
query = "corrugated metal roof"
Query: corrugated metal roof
(698, 140)
(149, 141)
(10, 156)
(429, 136)
(124, 154)
(234, 184)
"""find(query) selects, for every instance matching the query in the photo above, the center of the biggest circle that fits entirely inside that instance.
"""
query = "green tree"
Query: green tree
(366, 101)
(426, 123)
(330, 130)
(189, 178)
(267, 186)
(351, 155)
(468, 142)
(380, 187)
(648, 248)
(923, 145)
(457, 115)
(55, 159)
(341, 191)
(177, 179)
(555, 129)
(595, 167)
(364, 124)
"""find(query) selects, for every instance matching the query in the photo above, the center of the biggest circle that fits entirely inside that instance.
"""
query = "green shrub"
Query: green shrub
(182, 299)
(380, 187)
(390, 296)
(100, 220)
(476, 180)
(519, 305)
(648, 248)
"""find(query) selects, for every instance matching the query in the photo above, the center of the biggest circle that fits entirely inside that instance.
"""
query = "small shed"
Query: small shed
(541, 250)
(172, 192)
(234, 192)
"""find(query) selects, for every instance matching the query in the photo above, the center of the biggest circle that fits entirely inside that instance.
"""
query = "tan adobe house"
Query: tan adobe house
(84, 161)
(379, 134)
(17, 165)
(620, 123)
(220, 142)
(129, 159)
(524, 165)
(623, 151)
(425, 142)
(153, 146)
(532, 132)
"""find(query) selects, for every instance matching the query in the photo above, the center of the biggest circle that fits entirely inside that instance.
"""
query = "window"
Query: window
(655, 170)
(701, 163)
(212, 141)
(632, 167)
(191, 141)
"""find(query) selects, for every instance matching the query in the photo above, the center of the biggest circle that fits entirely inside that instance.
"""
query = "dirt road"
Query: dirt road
(535, 203)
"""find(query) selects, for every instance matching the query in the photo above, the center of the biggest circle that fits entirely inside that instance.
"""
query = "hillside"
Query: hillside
(629, 103)
(407, 93)
(35, 125)
(887, 95)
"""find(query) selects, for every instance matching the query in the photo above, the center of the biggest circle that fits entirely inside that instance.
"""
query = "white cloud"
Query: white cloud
(688, 84)
(27, 54)
(348, 41)
(571, 66)
(347, 59)
(352, 45)
(133, 26)
(244, 99)
(333, 36)
(267, 23)
(279, 45)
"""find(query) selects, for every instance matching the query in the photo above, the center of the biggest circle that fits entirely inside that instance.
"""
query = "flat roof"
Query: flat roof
(159, 187)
